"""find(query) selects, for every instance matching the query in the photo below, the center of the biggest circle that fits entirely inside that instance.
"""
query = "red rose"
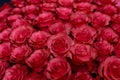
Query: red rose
(16, 11)
(34, 1)
(60, 44)
(66, 3)
(103, 47)
(45, 19)
(5, 51)
(79, 18)
(58, 69)
(51, 1)
(20, 34)
(39, 39)
(82, 53)
(103, 2)
(35, 76)
(3, 67)
(38, 60)
(4, 35)
(85, 7)
(16, 72)
(18, 3)
(3, 25)
(48, 6)
(63, 12)
(109, 35)
(116, 18)
(84, 34)
(117, 49)
(116, 28)
(100, 19)
(19, 54)
(110, 68)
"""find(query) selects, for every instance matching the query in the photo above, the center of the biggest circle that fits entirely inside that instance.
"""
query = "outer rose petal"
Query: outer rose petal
(3, 25)
(34, 1)
(116, 28)
(117, 49)
(39, 39)
(16, 72)
(18, 3)
(20, 34)
(58, 69)
(116, 18)
(49, 6)
(66, 3)
(38, 60)
(84, 34)
(51, 1)
(19, 54)
(64, 13)
(59, 45)
(5, 51)
(82, 53)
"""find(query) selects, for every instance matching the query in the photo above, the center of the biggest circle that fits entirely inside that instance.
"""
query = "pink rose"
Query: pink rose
(117, 49)
(58, 69)
(38, 60)
(45, 19)
(109, 35)
(20, 34)
(35, 76)
(34, 1)
(116, 28)
(66, 3)
(110, 68)
(103, 47)
(100, 19)
(49, 6)
(16, 72)
(39, 39)
(82, 53)
(19, 54)
(4, 35)
(63, 12)
(85, 7)
(79, 18)
(84, 34)
(59, 45)
(5, 51)
(3, 67)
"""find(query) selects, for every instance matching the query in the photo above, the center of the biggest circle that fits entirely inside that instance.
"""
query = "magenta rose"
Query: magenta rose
(48, 6)
(110, 68)
(35, 76)
(84, 34)
(103, 47)
(39, 39)
(19, 54)
(63, 12)
(100, 20)
(21, 34)
(45, 19)
(82, 53)
(58, 69)
(5, 51)
(4, 35)
(16, 72)
(79, 18)
(109, 35)
(3, 67)
(66, 3)
(38, 60)
(59, 45)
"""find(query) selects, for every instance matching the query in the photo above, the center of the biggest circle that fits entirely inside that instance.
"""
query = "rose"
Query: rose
(58, 69)
(38, 60)
(65, 3)
(44, 19)
(110, 68)
(59, 45)
(49, 6)
(63, 12)
(116, 28)
(82, 76)
(19, 54)
(16, 11)
(79, 18)
(116, 18)
(84, 34)
(82, 53)
(109, 35)
(39, 39)
(20, 34)
(3, 67)
(4, 35)
(103, 2)
(100, 20)
(85, 7)
(5, 51)
(35, 76)
(117, 49)
(34, 1)
(16, 72)
(103, 47)
(3, 25)
(18, 3)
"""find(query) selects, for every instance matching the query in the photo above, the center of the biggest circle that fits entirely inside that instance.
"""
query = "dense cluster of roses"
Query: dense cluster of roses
(60, 40)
